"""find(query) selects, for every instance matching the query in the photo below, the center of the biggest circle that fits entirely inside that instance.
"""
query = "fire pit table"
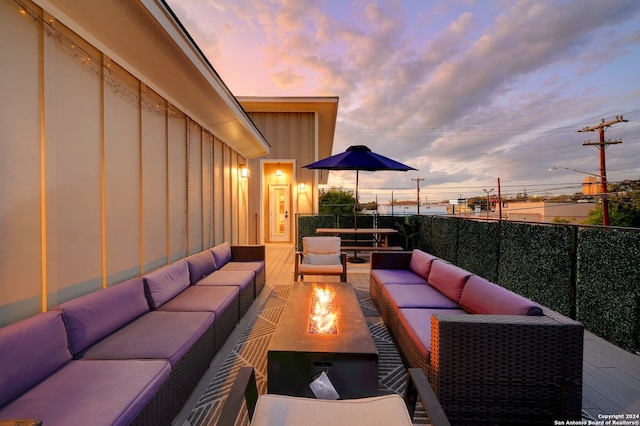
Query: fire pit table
(297, 353)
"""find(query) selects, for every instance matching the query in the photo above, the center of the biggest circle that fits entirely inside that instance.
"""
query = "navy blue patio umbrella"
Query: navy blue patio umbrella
(358, 157)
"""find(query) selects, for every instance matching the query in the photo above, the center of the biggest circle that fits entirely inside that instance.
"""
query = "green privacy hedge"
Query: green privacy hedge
(591, 274)
(478, 248)
(306, 226)
(531, 260)
(536, 261)
(444, 238)
(608, 290)
(394, 222)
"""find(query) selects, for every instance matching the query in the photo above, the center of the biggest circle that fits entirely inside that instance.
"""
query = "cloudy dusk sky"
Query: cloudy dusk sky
(465, 91)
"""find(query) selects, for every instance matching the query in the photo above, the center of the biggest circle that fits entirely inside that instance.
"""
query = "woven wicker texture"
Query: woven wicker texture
(225, 323)
(247, 253)
(495, 369)
(185, 375)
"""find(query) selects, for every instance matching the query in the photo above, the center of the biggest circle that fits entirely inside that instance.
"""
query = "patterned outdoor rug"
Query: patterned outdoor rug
(251, 350)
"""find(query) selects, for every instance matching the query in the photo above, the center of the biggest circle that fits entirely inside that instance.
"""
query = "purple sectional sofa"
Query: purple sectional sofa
(491, 356)
(128, 354)
(40, 379)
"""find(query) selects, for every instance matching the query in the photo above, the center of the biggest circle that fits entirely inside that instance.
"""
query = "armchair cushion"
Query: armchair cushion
(288, 410)
(320, 269)
(321, 245)
(322, 259)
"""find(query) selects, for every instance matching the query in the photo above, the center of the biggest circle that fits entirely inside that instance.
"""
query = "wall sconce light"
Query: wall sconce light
(302, 187)
(244, 171)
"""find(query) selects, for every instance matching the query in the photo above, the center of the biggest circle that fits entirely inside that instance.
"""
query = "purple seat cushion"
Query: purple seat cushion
(92, 393)
(397, 276)
(417, 322)
(421, 263)
(166, 282)
(237, 278)
(417, 296)
(94, 316)
(203, 298)
(31, 350)
(255, 266)
(200, 265)
(449, 279)
(483, 297)
(156, 335)
(222, 254)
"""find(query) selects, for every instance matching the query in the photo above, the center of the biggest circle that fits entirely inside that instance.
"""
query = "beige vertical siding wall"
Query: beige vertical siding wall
(101, 178)
(292, 136)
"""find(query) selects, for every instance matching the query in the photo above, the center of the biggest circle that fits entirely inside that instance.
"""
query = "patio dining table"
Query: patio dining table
(380, 235)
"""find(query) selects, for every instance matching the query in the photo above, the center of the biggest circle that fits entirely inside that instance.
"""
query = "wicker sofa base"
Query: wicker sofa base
(479, 387)
(185, 375)
(246, 298)
(390, 317)
(491, 369)
(225, 323)
(251, 254)
(261, 280)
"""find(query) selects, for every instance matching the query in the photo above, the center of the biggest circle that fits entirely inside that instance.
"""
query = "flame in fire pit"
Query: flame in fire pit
(323, 318)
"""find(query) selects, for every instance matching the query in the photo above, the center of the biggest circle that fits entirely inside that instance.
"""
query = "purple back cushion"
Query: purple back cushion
(200, 265)
(421, 263)
(449, 279)
(167, 282)
(94, 316)
(31, 350)
(222, 254)
(483, 297)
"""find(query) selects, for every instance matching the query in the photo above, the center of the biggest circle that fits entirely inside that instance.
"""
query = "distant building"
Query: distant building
(542, 211)
(406, 209)
(591, 186)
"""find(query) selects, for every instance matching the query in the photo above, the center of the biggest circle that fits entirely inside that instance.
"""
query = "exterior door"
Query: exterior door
(279, 213)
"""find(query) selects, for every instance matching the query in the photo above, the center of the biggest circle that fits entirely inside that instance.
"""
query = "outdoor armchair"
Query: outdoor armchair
(269, 409)
(321, 256)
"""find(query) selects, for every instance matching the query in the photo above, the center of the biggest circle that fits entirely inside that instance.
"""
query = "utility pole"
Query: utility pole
(601, 145)
(418, 191)
(499, 201)
(488, 192)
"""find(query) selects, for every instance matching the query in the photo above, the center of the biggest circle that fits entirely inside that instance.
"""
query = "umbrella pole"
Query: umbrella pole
(355, 258)
(355, 206)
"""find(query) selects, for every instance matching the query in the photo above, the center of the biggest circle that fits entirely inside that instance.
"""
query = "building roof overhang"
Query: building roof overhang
(147, 39)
